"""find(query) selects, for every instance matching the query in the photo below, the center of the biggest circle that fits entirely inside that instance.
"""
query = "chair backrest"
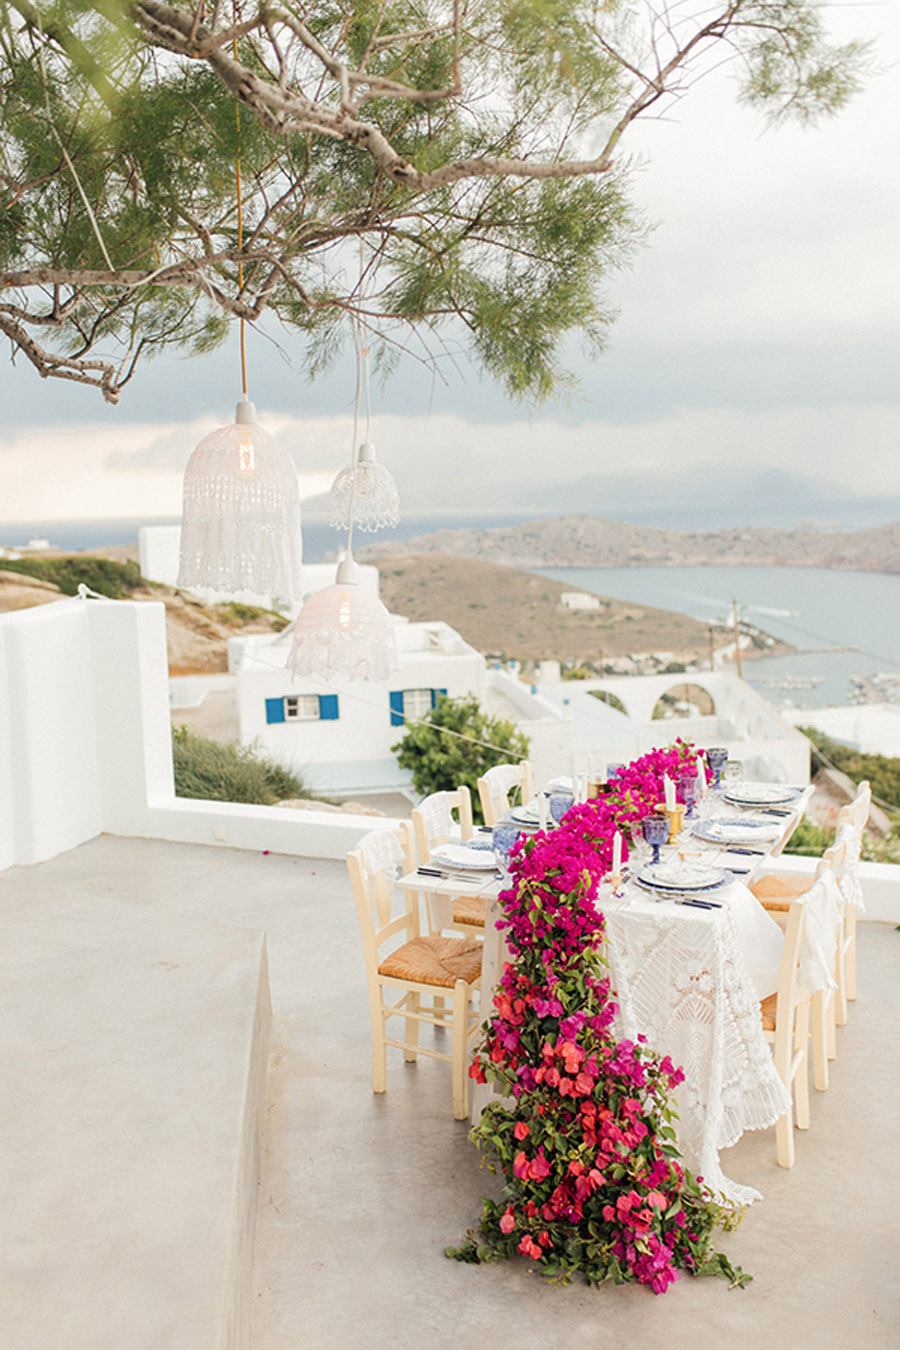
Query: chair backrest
(791, 825)
(856, 813)
(374, 865)
(432, 819)
(497, 785)
(832, 860)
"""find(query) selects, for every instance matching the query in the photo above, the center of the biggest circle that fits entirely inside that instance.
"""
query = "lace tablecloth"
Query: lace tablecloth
(691, 981)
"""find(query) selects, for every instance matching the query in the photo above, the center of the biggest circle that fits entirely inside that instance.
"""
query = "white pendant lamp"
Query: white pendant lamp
(240, 522)
(365, 484)
(344, 631)
(376, 502)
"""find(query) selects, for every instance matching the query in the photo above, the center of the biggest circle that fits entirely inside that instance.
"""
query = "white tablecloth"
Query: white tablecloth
(691, 981)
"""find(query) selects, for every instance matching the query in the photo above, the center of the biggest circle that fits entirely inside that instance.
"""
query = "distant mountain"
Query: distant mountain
(588, 541)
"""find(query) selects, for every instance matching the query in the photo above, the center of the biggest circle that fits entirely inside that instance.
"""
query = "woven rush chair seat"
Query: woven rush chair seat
(469, 909)
(434, 960)
(769, 1012)
(777, 890)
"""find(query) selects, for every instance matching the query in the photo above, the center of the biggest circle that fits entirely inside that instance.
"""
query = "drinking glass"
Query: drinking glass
(733, 771)
(690, 791)
(655, 828)
(717, 758)
(504, 839)
(560, 803)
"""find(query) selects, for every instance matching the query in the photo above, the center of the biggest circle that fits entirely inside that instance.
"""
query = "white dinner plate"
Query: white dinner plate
(760, 794)
(525, 815)
(465, 856)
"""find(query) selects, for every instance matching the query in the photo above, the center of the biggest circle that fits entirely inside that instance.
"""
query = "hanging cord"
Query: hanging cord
(362, 381)
(240, 215)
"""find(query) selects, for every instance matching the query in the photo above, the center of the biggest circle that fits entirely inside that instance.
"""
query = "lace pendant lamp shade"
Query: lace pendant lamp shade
(240, 525)
(344, 632)
(369, 489)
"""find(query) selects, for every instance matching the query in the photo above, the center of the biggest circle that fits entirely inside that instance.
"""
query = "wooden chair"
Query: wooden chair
(496, 787)
(433, 825)
(418, 966)
(823, 1003)
(785, 1020)
(852, 821)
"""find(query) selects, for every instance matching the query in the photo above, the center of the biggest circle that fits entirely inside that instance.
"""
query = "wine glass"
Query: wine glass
(717, 758)
(504, 840)
(690, 791)
(655, 828)
(733, 772)
(559, 804)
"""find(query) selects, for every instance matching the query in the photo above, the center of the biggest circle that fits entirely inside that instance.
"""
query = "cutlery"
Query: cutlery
(752, 852)
(700, 904)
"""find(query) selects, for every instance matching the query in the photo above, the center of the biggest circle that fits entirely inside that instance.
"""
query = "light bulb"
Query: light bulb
(367, 491)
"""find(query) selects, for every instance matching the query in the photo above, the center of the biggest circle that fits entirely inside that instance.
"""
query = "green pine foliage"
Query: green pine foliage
(456, 744)
(213, 771)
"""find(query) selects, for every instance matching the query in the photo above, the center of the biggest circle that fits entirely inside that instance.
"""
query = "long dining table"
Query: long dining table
(688, 979)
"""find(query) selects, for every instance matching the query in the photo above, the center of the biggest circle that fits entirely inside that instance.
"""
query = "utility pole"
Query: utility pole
(737, 639)
(712, 648)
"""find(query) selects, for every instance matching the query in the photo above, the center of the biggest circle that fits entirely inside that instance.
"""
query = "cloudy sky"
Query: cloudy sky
(752, 374)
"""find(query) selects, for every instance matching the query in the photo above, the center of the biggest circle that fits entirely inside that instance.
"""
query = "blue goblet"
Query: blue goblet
(717, 758)
(560, 803)
(655, 828)
(504, 839)
(690, 791)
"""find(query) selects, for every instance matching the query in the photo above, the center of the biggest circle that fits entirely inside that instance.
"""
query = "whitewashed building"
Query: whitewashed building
(338, 737)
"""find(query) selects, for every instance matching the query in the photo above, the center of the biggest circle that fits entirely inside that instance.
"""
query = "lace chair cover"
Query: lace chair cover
(681, 981)
(848, 877)
(382, 852)
(823, 909)
(503, 777)
(437, 815)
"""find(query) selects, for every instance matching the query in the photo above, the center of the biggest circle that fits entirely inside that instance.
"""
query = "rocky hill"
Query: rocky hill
(504, 611)
(588, 541)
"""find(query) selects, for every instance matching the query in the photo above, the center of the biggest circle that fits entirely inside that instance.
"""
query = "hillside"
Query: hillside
(588, 541)
(507, 612)
(197, 634)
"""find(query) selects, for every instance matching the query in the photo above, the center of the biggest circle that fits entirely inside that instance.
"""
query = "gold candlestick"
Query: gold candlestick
(675, 815)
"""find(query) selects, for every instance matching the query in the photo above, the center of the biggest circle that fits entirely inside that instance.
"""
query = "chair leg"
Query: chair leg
(850, 958)
(831, 1003)
(820, 1041)
(801, 1078)
(784, 1129)
(439, 1006)
(379, 1049)
(459, 1051)
(411, 1025)
(840, 975)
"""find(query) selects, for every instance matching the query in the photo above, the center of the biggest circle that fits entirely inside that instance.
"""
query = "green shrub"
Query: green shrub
(217, 772)
(882, 771)
(113, 579)
(440, 762)
(236, 613)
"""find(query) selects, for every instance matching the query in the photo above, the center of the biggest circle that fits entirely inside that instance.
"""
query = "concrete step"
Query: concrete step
(133, 1049)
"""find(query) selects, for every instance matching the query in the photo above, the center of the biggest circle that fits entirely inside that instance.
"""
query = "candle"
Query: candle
(701, 775)
(617, 854)
(590, 766)
(601, 775)
(543, 807)
(669, 788)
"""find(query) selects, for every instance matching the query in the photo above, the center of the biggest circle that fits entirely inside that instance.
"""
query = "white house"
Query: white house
(580, 600)
(338, 737)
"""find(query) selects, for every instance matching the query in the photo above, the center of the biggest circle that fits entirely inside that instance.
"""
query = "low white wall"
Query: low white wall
(85, 743)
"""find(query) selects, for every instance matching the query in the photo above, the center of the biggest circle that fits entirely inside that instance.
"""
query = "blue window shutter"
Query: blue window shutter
(274, 709)
(435, 695)
(396, 701)
(328, 707)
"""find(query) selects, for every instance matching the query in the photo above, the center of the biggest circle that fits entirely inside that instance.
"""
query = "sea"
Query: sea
(841, 624)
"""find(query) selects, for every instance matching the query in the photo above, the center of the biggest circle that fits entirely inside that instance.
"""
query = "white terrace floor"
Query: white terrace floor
(360, 1194)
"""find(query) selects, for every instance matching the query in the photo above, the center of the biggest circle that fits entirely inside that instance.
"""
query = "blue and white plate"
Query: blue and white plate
(525, 815)
(678, 875)
(737, 829)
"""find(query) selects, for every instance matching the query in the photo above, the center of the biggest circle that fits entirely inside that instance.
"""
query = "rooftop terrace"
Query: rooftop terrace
(360, 1194)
